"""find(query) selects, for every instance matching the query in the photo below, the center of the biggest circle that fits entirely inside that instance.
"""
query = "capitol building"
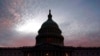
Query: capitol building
(50, 42)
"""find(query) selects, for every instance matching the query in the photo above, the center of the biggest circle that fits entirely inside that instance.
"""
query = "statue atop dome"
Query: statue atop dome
(50, 15)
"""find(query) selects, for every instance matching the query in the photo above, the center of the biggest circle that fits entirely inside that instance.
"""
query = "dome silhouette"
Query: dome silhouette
(49, 32)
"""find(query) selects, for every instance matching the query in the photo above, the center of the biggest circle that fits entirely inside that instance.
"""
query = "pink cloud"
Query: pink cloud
(82, 41)
(24, 42)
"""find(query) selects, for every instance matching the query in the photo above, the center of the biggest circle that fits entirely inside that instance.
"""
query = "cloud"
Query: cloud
(85, 40)
(19, 41)
(8, 17)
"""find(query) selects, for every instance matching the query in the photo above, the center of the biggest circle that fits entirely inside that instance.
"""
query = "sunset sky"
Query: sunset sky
(79, 21)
